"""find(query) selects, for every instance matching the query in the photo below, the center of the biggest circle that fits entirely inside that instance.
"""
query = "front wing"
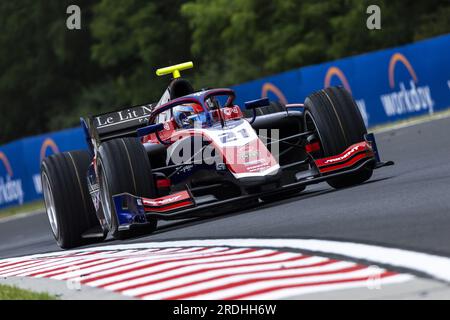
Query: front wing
(133, 210)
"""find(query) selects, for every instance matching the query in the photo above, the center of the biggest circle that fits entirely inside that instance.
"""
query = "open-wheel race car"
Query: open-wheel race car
(196, 153)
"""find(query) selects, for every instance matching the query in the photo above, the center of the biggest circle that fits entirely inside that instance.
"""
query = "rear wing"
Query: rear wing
(121, 123)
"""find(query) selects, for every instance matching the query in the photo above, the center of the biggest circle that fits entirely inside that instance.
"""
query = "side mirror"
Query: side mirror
(141, 132)
(253, 105)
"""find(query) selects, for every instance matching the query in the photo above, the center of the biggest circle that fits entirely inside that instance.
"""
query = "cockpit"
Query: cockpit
(199, 110)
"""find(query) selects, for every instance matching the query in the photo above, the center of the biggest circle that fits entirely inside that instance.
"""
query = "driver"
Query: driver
(188, 115)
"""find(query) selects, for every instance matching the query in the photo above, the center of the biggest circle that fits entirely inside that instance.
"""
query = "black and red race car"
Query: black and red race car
(196, 153)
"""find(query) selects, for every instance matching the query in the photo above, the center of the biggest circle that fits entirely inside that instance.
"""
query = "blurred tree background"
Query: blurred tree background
(51, 75)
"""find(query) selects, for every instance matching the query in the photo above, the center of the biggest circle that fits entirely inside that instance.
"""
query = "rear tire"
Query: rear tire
(123, 167)
(336, 117)
(273, 107)
(68, 203)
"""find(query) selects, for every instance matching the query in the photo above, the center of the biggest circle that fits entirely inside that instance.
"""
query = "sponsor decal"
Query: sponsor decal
(346, 155)
(336, 72)
(6, 164)
(168, 203)
(166, 126)
(177, 197)
(250, 154)
(161, 202)
(136, 113)
(10, 189)
(48, 143)
(221, 166)
(235, 147)
(406, 100)
(348, 158)
(269, 87)
(261, 165)
(231, 111)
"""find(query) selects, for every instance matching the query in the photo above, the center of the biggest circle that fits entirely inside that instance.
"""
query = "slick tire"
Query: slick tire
(68, 203)
(336, 117)
(124, 167)
(274, 107)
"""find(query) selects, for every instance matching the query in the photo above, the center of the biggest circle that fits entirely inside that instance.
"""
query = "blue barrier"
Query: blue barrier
(387, 85)
(20, 180)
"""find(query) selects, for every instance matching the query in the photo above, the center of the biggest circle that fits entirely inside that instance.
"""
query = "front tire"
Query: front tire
(123, 167)
(333, 113)
(68, 203)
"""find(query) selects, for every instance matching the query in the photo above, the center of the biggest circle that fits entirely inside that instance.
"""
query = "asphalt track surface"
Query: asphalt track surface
(405, 206)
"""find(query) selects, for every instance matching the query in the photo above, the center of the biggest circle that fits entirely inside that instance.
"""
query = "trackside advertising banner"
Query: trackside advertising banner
(387, 85)
(20, 162)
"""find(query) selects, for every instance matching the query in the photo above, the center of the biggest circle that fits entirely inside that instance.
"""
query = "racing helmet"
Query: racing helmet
(188, 115)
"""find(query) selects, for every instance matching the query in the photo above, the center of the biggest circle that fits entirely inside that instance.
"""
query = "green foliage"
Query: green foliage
(134, 38)
(44, 65)
(25, 208)
(14, 293)
(245, 39)
(52, 75)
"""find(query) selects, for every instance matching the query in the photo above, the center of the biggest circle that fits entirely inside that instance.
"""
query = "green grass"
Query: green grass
(32, 206)
(14, 293)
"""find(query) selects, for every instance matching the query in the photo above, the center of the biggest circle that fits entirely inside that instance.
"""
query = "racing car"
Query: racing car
(195, 153)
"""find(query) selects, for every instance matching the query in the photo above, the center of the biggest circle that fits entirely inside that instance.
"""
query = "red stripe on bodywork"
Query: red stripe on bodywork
(349, 157)
(232, 155)
(167, 200)
(311, 147)
(173, 201)
(344, 156)
(171, 207)
(163, 183)
(349, 163)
